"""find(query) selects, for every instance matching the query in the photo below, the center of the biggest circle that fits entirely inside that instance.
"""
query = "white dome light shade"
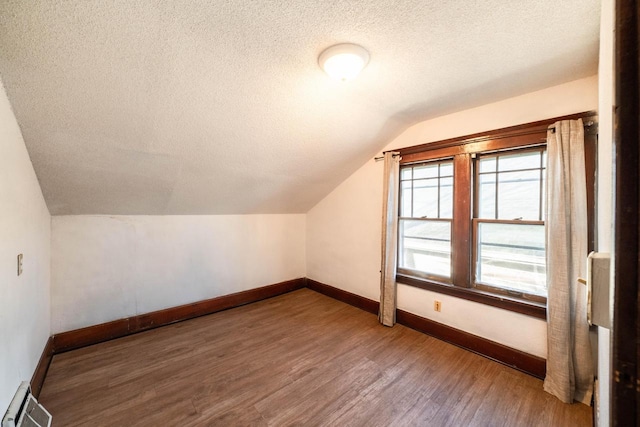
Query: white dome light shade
(344, 61)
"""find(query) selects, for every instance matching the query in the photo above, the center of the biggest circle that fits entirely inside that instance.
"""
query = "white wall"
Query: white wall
(110, 267)
(606, 92)
(343, 230)
(24, 228)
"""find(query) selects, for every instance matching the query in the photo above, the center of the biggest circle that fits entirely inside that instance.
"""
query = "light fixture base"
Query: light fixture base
(343, 61)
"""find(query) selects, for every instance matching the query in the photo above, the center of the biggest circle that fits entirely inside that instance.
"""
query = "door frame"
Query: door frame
(625, 385)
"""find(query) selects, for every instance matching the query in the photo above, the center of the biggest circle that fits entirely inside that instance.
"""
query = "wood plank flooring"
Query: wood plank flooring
(298, 359)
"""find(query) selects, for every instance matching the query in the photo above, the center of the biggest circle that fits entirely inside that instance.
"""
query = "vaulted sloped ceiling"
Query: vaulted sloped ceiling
(219, 107)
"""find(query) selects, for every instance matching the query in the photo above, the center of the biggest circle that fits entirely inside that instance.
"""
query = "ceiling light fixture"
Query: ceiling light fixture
(343, 61)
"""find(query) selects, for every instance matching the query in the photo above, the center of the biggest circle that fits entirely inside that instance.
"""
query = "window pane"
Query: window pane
(512, 256)
(487, 196)
(425, 198)
(405, 173)
(487, 164)
(519, 195)
(526, 160)
(446, 197)
(405, 198)
(427, 171)
(426, 246)
(446, 169)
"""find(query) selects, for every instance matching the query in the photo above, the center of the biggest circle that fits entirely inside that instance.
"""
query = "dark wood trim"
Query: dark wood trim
(509, 221)
(201, 308)
(530, 139)
(530, 364)
(90, 335)
(625, 369)
(530, 308)
(347, 297)
(524, 130)
(461, 226)
(37, 380)
(527, 363)
(78, 338)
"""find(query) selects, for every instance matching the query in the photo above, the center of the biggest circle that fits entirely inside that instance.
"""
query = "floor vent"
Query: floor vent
(25, 411)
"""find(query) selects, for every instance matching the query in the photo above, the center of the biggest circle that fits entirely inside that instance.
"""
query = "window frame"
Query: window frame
(463, 150)
(409, 271)
(476, 220)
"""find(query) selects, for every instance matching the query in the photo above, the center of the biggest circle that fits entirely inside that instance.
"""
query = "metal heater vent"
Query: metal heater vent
(25, 411)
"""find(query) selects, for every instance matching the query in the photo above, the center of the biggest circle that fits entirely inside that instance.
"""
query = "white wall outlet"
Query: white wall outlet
(19, 264)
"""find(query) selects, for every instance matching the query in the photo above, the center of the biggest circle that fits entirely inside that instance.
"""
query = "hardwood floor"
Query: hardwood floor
(297, 359)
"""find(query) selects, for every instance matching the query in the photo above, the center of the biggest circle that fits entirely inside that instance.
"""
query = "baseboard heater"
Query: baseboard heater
(25, 411)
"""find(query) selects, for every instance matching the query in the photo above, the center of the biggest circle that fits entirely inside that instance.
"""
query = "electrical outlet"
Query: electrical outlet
(19, 264)
(437, 305)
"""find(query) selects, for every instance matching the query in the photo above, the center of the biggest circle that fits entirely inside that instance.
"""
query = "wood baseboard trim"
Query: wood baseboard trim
(347, 297)
(37, 380)
(83, 337)
(527, 363)
(65, 341)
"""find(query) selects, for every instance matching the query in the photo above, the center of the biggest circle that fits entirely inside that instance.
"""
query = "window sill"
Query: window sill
(517, 305)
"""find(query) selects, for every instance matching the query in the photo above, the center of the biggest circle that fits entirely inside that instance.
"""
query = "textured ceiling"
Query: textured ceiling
(219, 107)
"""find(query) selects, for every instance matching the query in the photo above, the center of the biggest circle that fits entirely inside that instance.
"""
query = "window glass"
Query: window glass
(519, 195)
(426, 246)
(446, 169)
(487, 195)
(425, 198)
(426, 171)
(426, 209)
(446, 198)
(512, 256)
(510, 188)
(488, 164)
(405, 198)
(510, 185)
(519, 161)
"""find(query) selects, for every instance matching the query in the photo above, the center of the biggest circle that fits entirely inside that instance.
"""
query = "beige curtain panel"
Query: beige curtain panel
(391, 186)
(569, 362)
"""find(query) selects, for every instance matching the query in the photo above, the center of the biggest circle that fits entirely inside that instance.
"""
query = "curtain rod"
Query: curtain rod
(377, 159)
(586, 125)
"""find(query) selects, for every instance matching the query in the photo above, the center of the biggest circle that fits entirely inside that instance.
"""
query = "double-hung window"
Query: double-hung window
(472, 216)
(508, 222)
(426, 211)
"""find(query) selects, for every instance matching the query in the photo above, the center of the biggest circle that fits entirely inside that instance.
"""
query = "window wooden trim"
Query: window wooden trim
(461, 148)
(438, 218)
(518, 305)
(511, 135)
(476, 220)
